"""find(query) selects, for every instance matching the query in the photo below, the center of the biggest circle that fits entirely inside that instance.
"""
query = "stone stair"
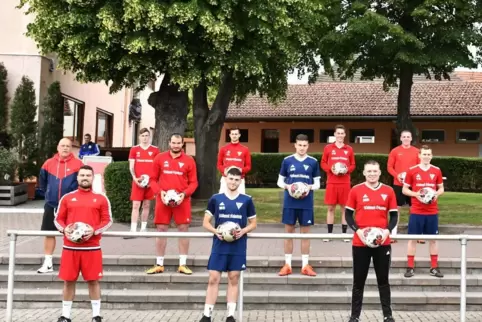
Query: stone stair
(126, 286)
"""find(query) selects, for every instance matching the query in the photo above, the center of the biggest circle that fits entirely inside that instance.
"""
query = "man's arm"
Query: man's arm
(192, 180)
(61, 215)
(282, 176)
(391, 165)
(324, 161)
(81, 152)
(105, 217)
(220, 164)
(352, 166)
(247, 162)
(74, 185)
(96, 149)
(43, 177)
(131, 169)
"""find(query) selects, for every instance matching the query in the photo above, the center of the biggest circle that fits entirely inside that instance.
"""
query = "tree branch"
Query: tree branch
(218, 112)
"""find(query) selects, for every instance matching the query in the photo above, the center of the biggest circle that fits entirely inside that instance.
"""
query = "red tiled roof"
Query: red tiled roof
(365, 99)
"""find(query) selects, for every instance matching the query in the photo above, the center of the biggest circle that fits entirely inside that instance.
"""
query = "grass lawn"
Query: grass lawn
(455, 207)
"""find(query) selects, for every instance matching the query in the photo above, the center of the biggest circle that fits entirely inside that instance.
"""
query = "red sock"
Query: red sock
(411, 261)
(433, 261)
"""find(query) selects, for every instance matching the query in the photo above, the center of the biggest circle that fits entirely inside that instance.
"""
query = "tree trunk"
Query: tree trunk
(404, 119)
(171, 106)
(208, 124)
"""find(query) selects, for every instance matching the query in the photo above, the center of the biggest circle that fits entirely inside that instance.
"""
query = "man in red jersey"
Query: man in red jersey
(174, 170)
(371, 202)
(423, 216)
(400, 159)
(236, 155)
(82, 205)
(141, 159)
(337, 183)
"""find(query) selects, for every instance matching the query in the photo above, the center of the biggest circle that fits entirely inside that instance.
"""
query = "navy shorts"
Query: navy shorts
(423, 224)
(227, 262)
(305, 217)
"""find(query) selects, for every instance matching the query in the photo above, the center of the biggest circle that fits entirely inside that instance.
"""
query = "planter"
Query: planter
(31, 186)
(13, 194)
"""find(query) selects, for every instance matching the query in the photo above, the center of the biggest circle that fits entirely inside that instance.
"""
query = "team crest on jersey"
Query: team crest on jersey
(239, 204)
(239, 153)
(384, 196)
(166, 164)
(365, 198)
(292, 168)
(228, 153)
(95, 200)
(181, 164)
(221, 206)
(150, 153)
(346, 152)
(306, 167)
(432, 176)
(333, 152)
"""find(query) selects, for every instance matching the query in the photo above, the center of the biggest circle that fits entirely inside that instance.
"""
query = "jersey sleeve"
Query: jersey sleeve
(284, 169)
(408, 178)
(105, 217)
(61, 215)
(324, 160)
(440, 179)
(156, 170)
(211, 208)
(391, 164)
(316, 170)
(192, 179)
(352, 166)
(392, 201)
(220, 164)
(132, 153)
(251, 209)
(247, 161)
(351, 202)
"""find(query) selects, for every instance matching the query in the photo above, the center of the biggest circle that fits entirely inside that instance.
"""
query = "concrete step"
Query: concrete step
(279, 300)
(138, 280)
(270, 264)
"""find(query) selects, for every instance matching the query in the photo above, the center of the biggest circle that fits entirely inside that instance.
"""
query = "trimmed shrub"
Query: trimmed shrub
(118, 181)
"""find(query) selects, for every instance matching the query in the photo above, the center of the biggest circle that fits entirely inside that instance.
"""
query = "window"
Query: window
(432, 136)
(327, 136)
(309, 132)
(469, 136)
(362, 136)
(135, 133)
(104, 129)
(244, 135)
(73, 120)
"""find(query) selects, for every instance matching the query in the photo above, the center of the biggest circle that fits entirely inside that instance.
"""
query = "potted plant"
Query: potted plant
(11, 193)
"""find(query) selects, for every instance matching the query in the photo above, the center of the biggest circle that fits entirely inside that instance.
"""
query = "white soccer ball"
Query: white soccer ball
(427, 195)
(299, 190)
(79, 230)
(373, 236)
(145, 180)
(172, 198)
(228, 231)
(339, 168)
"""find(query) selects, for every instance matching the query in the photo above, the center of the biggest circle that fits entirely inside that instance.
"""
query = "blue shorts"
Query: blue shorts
(227, 262)
(305, 217)
(423, 224)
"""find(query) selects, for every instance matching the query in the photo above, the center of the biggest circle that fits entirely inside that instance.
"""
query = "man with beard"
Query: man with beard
(173, 170)
(82, 206)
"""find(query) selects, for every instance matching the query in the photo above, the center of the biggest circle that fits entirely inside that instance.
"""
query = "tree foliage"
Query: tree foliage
(3, 98)
(396, 39)
(52, 129)
(24, 128)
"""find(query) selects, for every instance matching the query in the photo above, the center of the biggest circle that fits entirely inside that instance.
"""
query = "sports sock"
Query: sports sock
(66, 308)
(304, 260)
(48, 260)
(231, 309)
(411, 261)
(344, 228)
(330, 228)
(208, 310)
(95, 307)
(144, 225)
(133, 226)
(288, 259)
(182, 260)
(433, 261)
(160, 261)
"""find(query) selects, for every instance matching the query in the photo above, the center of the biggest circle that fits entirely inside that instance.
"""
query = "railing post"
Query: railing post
(240, 296)
(463, 278)
(11, 277)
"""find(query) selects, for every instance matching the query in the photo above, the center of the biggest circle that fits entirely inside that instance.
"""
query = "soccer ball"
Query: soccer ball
(145, 181)
(79, 230)
(402, 177)
(373, 236)
(172, 198)
(299, 190)
(339, 168)
(427, 195)
(228, 231)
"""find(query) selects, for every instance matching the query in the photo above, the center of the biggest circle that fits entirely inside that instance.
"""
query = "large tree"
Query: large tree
(52, 129)
(3, 98)
(238, 47)
(397, 39)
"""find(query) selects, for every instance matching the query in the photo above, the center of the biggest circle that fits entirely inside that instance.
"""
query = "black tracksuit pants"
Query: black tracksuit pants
(361, 264)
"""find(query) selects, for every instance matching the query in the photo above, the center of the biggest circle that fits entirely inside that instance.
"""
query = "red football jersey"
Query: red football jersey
(416, 179)
(331, 155)
(236, 155)
(144, 159)
(371, 207)
(175, 173)
(88, 207)
(401, 160)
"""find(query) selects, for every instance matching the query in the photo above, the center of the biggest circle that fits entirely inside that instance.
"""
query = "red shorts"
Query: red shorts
(87, 262)
(337, 194)
(141, 194)
(181, 213)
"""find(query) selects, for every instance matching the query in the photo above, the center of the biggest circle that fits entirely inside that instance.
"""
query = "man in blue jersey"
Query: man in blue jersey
(299, 167)
(228, 257)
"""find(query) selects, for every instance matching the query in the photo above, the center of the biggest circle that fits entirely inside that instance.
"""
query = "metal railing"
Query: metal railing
(462, 238)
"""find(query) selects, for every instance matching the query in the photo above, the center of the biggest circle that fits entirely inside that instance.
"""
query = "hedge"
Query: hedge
(463, 175)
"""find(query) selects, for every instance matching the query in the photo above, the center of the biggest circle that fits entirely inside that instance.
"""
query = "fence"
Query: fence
(462, 238)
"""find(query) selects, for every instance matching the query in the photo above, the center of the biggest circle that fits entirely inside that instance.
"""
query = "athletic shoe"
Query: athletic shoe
(347, 240)
(230, 319)
(420, 241)
(326, 240)
(97, 319)
(352, 319)
(388, 319)
(285, 270)
(45, 268)
(183, 269)
(205, 319)
(156, 269)
(308, 271)
(410, 272)
(435, 271)
(63, 319)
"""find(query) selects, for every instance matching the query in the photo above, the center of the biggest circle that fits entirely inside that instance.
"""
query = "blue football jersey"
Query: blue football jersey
(299, 170)
(237, 210)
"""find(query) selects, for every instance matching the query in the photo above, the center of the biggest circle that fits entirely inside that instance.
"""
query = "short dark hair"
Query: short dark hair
(341, 127)
(425, 147)
(302, 137)
(87, 167)
(176, 135)
(234, 129)
(144, 130)
(371, 162)
(87, 134)
(234, 171)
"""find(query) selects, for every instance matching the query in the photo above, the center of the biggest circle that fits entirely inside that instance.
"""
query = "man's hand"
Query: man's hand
(219, 235)
(181, 196)
(386, 233)
(360, 233)
(68, 230)
(88, 233)
(137, 181)
(240, 233)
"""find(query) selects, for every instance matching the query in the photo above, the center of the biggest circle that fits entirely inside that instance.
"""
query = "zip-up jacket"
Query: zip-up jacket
(88, 207)
(57, 177)
(90, 148)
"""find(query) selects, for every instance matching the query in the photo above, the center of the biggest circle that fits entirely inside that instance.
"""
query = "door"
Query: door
(270, 141)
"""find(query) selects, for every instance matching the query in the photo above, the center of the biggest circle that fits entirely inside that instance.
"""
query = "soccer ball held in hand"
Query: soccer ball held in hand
(228, 231)
(299, 190)
(339, 168)
(427, 195)
(78, 231)
(145, 181)
(172, 198)
(373, 236)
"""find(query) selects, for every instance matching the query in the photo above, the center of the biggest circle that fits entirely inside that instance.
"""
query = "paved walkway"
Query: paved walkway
(49, 315)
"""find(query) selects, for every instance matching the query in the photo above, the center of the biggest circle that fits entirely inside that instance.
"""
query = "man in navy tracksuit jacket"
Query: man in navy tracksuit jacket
(89, 148)
(58, 177)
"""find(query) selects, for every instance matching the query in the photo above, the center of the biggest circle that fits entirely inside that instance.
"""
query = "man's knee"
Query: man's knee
(162, 228)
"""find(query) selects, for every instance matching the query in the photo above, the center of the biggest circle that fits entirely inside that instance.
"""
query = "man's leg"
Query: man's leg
(135, 215)
(68, 272)
(183, 250)
(94, 295)
(289, 220)
(330, 219)
(233, 291)
(431, 228)
(343, 192)
(211, 294)
(49, 242)
(92, 272)
(361, 265)
(145, 214)
(160, 251)
(306, 218)
(381, 264)
(68, 298)
(415, 227)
